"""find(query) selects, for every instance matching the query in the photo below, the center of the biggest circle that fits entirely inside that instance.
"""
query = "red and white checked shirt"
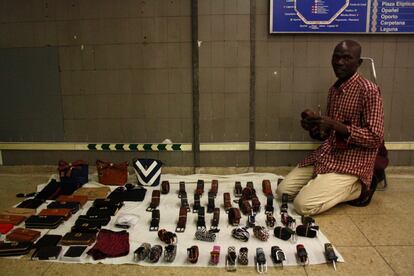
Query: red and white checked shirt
(356, 103)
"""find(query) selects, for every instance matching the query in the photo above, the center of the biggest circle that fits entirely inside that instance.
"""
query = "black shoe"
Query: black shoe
(366, 196)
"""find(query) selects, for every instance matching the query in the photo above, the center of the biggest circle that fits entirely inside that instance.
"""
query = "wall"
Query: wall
(125, 76)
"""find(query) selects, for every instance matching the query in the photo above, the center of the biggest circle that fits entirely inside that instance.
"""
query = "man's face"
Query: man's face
(345, 61)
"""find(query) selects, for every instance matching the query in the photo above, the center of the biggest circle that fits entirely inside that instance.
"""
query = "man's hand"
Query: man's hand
(306, 121)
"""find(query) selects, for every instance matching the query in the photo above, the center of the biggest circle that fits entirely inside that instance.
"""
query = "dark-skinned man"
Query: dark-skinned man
(352, 130)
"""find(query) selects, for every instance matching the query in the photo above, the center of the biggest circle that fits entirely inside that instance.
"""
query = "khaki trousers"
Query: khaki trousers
(316, 195)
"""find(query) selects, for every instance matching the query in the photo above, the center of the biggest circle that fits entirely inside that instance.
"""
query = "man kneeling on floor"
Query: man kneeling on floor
(341, 168)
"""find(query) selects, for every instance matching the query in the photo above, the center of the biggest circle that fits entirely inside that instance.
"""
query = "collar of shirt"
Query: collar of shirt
(343, 88)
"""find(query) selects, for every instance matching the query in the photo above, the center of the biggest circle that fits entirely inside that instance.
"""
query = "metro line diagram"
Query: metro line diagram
(319, 11)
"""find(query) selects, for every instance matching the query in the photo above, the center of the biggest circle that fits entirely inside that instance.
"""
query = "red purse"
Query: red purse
(112, 174)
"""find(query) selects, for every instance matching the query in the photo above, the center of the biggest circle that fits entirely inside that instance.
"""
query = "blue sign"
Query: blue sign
(342, 16)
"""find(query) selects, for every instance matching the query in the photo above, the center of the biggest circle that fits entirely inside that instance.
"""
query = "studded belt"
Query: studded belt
(142, 252)
(170, 251)
(261, 233)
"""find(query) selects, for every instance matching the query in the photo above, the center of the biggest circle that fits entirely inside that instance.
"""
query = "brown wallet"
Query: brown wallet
(12, 219)
(93, 193)
(23, 235)
(73, 198)
(65, 213)
(73, 238)
(26, 212)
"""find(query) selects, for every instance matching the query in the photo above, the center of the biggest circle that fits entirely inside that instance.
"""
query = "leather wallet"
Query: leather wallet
(43, 222)
(23, 235)
(102, 211)
(73, 238)
(5, 228)
(73, 253)
(73, 206)
(96, 220)
(128, 193)
(31, 203)
(111, 173)
(26, 212)
(47, 253)
(12, 219)
(86, 228)
(64, 213)
(107, 202)
(73, 198)
(15, 248)
(48, 240)
(93, 193)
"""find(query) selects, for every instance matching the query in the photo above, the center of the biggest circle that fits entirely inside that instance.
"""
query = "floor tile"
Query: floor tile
(400, 258)
(358, 261)
(15, 267)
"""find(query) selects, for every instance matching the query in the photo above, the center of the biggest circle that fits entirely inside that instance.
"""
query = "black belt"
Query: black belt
(214, 187)
(234, 216)
(237, 189)
(184, 202)
(200, 187)
(216, 219)
(201, 222)
(165, 187)
(269, 205)
(196, 205)
(211, 205)
(155, 220)
(142, 252)
(170, 251)
(277, 255)
(182, 189)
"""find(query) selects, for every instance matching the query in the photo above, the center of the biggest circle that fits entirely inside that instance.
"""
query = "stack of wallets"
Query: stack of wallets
(64, 213)
(72, 206)
(104, 207)
(74, 238)
(15, 248)
(12, 219)
(90, 224)
(43, 222)
(23, 235)
(73, 198)
(47, 248)
(73, 253)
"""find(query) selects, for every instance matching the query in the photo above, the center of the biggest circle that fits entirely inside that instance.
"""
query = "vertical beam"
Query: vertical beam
(252, 101)
(195, 79)
(1, 159)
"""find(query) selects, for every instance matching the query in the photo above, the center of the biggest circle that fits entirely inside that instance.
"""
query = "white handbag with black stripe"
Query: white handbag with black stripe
(148, 171)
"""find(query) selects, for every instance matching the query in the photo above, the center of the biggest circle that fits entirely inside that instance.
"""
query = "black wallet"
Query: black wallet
(86, 228)
(73, 206)
(15, 248)
(48, 240)
(43, 222)
(95, 220)
(47, 253)
(107, 202)
(102, 211)
(31, 203)
(74, 252)
(128, 193)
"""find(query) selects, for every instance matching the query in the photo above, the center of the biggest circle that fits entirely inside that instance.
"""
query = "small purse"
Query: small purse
(111, 173)
(148, 171)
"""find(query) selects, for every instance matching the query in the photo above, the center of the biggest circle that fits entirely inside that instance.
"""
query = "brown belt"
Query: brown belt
(269, 205)
(267, 187)
(182, 189)
(155, 220)
(250, 185)
(184, 202)
(238, 189)
(182, 220)
(216, 219)
(200, 187)
(245, 206)
(165, 187)
(256, 205)
(155, 200)
(196, 204)
(227, 201)
(201, 222)
(210, 205)
(248, 193)
(192, 254)
(214, 187)
(234, 216)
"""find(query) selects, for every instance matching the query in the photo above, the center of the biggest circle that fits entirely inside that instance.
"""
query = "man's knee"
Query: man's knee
(284, 188)
(302, 207)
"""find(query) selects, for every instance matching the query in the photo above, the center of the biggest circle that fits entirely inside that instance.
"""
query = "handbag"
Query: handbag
(148, 171)
(111, 173)
(72, 175)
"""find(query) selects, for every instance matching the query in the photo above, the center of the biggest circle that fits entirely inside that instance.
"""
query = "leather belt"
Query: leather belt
(216, 219)
(283, 233)
(155, 253)
(309, 231)
(269, 205)
(196, 204)
(277, 255)
(248, 193)
(184, 202)
(234, 216)
(155, 220)
(267, 187)
(203, 235)
(201, 222)
(245, 206)
(192, 254)
(170, 251)
(238, 189)
(215, 255)
(214, 187)
(256, 205)
(155, 200)
(243, 258)
(261, 233)
(200, 187)
(240, 233)
(231, 259)
(227, 201)
(287, 220)
(167, 237)
(210, 205)
(261, 264)
(284, 205)
(182, 220)
(165, 187)
(270, 220)
(142, 252)
(182, 189)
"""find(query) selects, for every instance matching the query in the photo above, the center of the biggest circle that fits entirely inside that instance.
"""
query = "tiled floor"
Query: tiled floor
(374, 240)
